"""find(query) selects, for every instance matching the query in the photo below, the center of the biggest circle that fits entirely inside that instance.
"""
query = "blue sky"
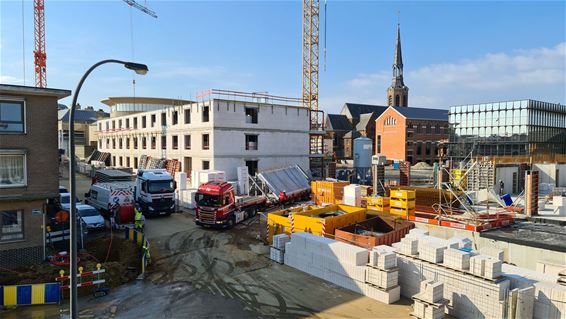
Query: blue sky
(455, 52)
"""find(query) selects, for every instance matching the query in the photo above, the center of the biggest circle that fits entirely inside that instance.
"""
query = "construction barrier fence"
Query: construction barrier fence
(139, 238)
(37, 294)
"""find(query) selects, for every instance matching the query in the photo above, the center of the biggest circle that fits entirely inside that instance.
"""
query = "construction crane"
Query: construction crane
(140, 7)
(39, 55)
(311, 37)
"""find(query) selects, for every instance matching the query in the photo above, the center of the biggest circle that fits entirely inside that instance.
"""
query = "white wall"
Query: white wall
(506, 175)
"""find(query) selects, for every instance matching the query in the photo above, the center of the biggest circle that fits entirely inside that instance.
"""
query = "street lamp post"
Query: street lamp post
(139, 69)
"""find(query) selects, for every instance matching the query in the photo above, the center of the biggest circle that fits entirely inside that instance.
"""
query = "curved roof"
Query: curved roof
(111, 101)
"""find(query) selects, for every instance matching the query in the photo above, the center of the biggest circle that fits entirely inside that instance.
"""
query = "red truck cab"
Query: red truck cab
(217, 205)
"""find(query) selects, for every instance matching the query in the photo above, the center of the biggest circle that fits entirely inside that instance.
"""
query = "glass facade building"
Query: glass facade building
(513, 128)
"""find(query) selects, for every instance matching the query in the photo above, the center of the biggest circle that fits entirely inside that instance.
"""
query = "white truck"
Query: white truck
(153, 191)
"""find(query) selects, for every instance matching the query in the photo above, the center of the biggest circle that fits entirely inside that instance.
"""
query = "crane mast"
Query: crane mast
(39, 55)
(311, 37)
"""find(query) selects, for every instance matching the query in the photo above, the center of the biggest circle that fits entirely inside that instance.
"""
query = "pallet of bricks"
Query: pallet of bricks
(277, 249)
(473, 283)
(341, 264)
(328, 192)
(429, 303)
(382, 273)
(402, 202)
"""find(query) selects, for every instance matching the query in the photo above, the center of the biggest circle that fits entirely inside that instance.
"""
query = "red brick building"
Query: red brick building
(411, 134)
(29, 175)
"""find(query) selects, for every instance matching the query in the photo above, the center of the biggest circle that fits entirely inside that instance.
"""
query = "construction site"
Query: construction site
(239, 204)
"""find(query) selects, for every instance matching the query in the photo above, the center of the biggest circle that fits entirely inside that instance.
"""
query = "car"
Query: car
(65, 199)
(90, 216)
(62, 190)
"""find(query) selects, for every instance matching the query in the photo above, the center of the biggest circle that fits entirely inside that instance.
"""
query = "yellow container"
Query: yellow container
(379, 208)
(378, 201)
(312, 221)
(401, 212)
(326, 192)
(402, 194)
(278, 222)
(402, 203)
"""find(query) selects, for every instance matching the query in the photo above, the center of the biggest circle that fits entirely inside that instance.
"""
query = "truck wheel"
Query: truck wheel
(253, 212)
(231, 222)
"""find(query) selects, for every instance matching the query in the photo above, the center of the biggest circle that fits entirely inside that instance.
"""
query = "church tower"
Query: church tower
(398, 93)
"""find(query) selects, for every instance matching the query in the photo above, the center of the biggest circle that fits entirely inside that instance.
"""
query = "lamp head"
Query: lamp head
(137, 67)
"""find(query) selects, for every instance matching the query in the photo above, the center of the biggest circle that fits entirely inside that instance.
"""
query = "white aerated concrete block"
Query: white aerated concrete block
(419, 309)
(387, 260)
(433, 291)
(492, 268)
(276, 255)
(280, 240)
(457, 259)
(385, 296)
(409, 246)
(431, 251)
(381, 278)
(373, 258)
(434, 312)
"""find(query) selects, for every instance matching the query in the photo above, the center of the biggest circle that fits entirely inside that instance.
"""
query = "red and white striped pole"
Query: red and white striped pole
(292, 221)
(267, 230)
(322, 221)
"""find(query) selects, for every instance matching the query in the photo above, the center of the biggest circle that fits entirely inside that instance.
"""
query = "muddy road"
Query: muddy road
(207, 273)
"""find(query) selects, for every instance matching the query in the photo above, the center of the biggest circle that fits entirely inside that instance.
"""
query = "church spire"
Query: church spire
(398, 61)
(398, 93)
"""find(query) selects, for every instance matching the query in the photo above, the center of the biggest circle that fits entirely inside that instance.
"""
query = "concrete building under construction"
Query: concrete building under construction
(221, 131)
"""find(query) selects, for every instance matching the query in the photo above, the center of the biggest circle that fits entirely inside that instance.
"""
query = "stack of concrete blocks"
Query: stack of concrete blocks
(352, 195)
(382, 273)
(186, 198)
(243, 180)
(462, 242)
(277, 250)
(457, 259)
(200, 177)
(485, 266)
(339, 263)
(559, 205)
(409, 245)
(429, 303)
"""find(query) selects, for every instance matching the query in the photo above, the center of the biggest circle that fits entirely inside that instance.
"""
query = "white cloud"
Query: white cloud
(533, 73)
(8, 79)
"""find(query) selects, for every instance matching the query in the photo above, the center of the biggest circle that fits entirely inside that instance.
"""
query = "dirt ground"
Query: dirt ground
(208, 273)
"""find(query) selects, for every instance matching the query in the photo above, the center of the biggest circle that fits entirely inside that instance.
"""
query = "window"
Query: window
(251, 142)
(396, 100)
(153, 120)
(175, 142)
(251, 115)
(390, 121)
(428, 129)
(128, 161)
(187, 116)
(135, 123)
(143, 122)
(153, 142)
(12, 225)
(205, 141)
(164, 142)
(378, 144)
(100, 126)
(127, 123)
(205, 165)
(12, 169)
(419, 148)
(12, 117)
(427, 148)
(119, 124)
(114, 143)
(106, 125)
(127, 143)
(205, 115)
(187, 142)
(175, 117)
(135, 162)
(144, 142)
(113, 125)
(135, 143)
(121, 161)
(120, 143)
(163, 119)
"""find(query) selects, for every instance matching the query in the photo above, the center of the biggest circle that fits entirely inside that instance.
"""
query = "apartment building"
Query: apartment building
(29, 173)
(223, 131)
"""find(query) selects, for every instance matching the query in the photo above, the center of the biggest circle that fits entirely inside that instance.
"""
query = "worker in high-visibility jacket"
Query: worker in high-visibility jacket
(139, 219)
